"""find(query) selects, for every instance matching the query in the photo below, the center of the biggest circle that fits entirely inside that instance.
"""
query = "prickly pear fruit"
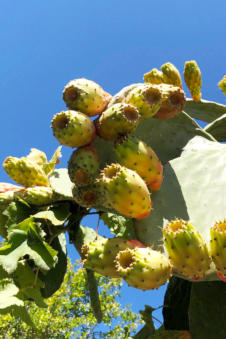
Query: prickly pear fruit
(222, 84)
(139, 157)
(25, 172)
(173, 101)
(171, 335)
(100, 254)
(7, 187)
(154, 77)
(73, 129)
(89, 196)
(36, 195)
(83, 165)
(120, 96)
(218, 248)
(186, 248)
(143, 268)
(193, 79)
(85, 96)
(147, 98)
(171, 75)
(125, 191)
(119, 119)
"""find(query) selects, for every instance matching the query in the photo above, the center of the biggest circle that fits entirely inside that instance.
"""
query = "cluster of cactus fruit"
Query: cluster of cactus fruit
(125, 186)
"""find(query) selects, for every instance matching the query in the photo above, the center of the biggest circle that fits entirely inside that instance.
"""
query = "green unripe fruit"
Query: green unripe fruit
(173, 101)
(218, 248)
(85, 96)
(100, 254)
(139, 157)
(186, 248)
(83, 165)
(25, 172)
(222, 84)
(143, 268)
(37, 195)
(89, 196)
(118, 120)
(125, 191)
(171, 75)
(73, 129)
(154, 77)
(193, 79)
(147, 98)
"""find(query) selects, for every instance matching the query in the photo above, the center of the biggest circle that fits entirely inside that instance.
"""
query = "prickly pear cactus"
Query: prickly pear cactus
(152, 127)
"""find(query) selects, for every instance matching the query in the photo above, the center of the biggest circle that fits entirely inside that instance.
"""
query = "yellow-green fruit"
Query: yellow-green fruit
(99, 255)
(139, 157)
(25, 172)
(193, 79)
(147, 98)
(89, 196)
(37, 195)
(173, 101)
(73, 129)
(143, 268)
(222, 84)
(119, 119)
(171, 75)
(85, 96)
(154, 77)
(125, 191)
(218, 247)
(186, 248)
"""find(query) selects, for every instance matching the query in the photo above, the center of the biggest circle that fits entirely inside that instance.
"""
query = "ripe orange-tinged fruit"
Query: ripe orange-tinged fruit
(173, 101)
(118, 120)
(186, 248)
(125, 191)
(139, 157)
(143, 268)
(218, 248)
(99, 255)
(193, 79)
(85, 96)
(73, 129)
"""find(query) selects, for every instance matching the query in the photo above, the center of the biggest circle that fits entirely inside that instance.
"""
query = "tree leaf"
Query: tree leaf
(16, 212)
(57, 215)
(61, 183)
(49, 167)
(121, 226)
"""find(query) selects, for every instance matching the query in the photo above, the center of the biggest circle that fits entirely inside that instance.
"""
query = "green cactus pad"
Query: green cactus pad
(73, 129)
(118, 120)
(85, 96)
(143, 268)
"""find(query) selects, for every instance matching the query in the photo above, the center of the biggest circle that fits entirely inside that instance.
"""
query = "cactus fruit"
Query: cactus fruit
(85, 96)
(25, 172)
(186, 248)
(73, 129)
(89, 196)
(139, 157)
(222, 84)
(147, 98)
(218, 248)
(7, 187)
(36, 195)
(143, 268)
(125, 191)
(154, 77)
(171, 75)
(173, 101)
(119, 119)
(100, 254)
(83, 165)
(193, 79)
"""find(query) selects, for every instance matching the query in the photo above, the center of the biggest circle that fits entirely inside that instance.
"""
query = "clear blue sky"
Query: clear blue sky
(44, 44)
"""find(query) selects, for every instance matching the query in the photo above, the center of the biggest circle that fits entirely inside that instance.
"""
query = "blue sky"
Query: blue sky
(44, 44)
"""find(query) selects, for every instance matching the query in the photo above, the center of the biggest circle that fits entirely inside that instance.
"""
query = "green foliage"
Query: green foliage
(69, 313)
(121, 226)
